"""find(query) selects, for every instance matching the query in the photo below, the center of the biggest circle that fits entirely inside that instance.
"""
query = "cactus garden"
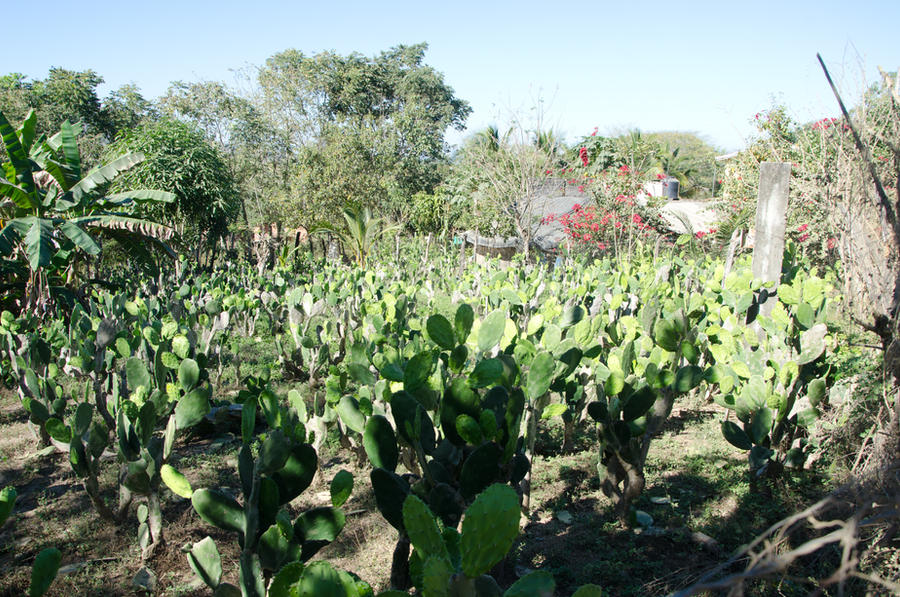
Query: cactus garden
(354, 393)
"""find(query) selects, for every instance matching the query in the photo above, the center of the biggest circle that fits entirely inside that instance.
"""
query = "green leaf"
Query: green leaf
(540, 376)
(37, 243)
(736, 436)
(491, 330)
(554, 410)
(441, 332)
(43, 571)
(191, 408)
(105, 173)
(81, 238)
(341, 488)
(485, 373)
(140, 196)
(463, 320)
(188, 374)
(16, 194)
(815, 391)
(175, 481)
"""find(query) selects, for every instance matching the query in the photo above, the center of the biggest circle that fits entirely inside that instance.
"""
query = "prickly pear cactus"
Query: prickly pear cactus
(489, 528)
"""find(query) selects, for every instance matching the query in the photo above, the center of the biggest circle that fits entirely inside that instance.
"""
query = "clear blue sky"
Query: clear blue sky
(706, 67)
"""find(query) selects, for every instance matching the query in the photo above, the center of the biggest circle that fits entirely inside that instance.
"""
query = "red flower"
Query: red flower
(802, 228)
(832, 243)
(803, 238)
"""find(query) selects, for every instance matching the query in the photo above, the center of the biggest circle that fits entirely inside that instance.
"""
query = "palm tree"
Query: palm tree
(52, 211)
(361, 233)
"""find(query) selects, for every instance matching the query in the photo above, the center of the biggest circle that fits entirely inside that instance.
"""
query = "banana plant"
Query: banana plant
(56, 210)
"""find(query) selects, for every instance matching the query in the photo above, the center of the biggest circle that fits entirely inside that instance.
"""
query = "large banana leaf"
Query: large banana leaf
(70, 150)
(9, 236)
(139, 196)
(21, 165)
(105, 173)
(38, 241)
(17, 194)
(128, 224)
(26, 132)
(81, 238)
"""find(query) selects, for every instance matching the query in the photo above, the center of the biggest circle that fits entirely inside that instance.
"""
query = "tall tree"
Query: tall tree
(400, 104)
(179, 159)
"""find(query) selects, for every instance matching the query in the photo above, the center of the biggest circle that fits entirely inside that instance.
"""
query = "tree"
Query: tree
(180, 159)
(72, 95)
(54, 211)
(401, 106)
(502, 180)
(256, 152)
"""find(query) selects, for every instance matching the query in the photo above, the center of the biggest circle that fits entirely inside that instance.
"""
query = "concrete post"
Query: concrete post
(771, 210)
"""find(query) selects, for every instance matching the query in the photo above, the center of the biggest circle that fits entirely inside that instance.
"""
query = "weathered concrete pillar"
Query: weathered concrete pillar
(771, 210)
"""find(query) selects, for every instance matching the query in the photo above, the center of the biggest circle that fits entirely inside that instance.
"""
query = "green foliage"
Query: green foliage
(180, 159)
(56, 211)
(379, 124)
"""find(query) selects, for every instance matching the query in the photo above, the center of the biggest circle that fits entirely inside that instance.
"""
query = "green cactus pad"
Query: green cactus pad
(540, 375)
(469, 429)
(192, 407)
(480, 469)
(588, 591)
(274, 452)
(273, 548)
(446, 503)
(462, 322)
(491, 330)
(297, 473)
(175, 481)
(316, 528)
(535, 584)
(218, 509)
(205, 561)
(436, 574)
(188, 374)
(286, 577)
(341, 488)
(422, 529)
(441, 332)
(269, 502)
(390, 492)
(7, 501)
(43, 571)
(352, 417)
(490, 526)
(638, 403)
(380, 443)
(82, 419)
